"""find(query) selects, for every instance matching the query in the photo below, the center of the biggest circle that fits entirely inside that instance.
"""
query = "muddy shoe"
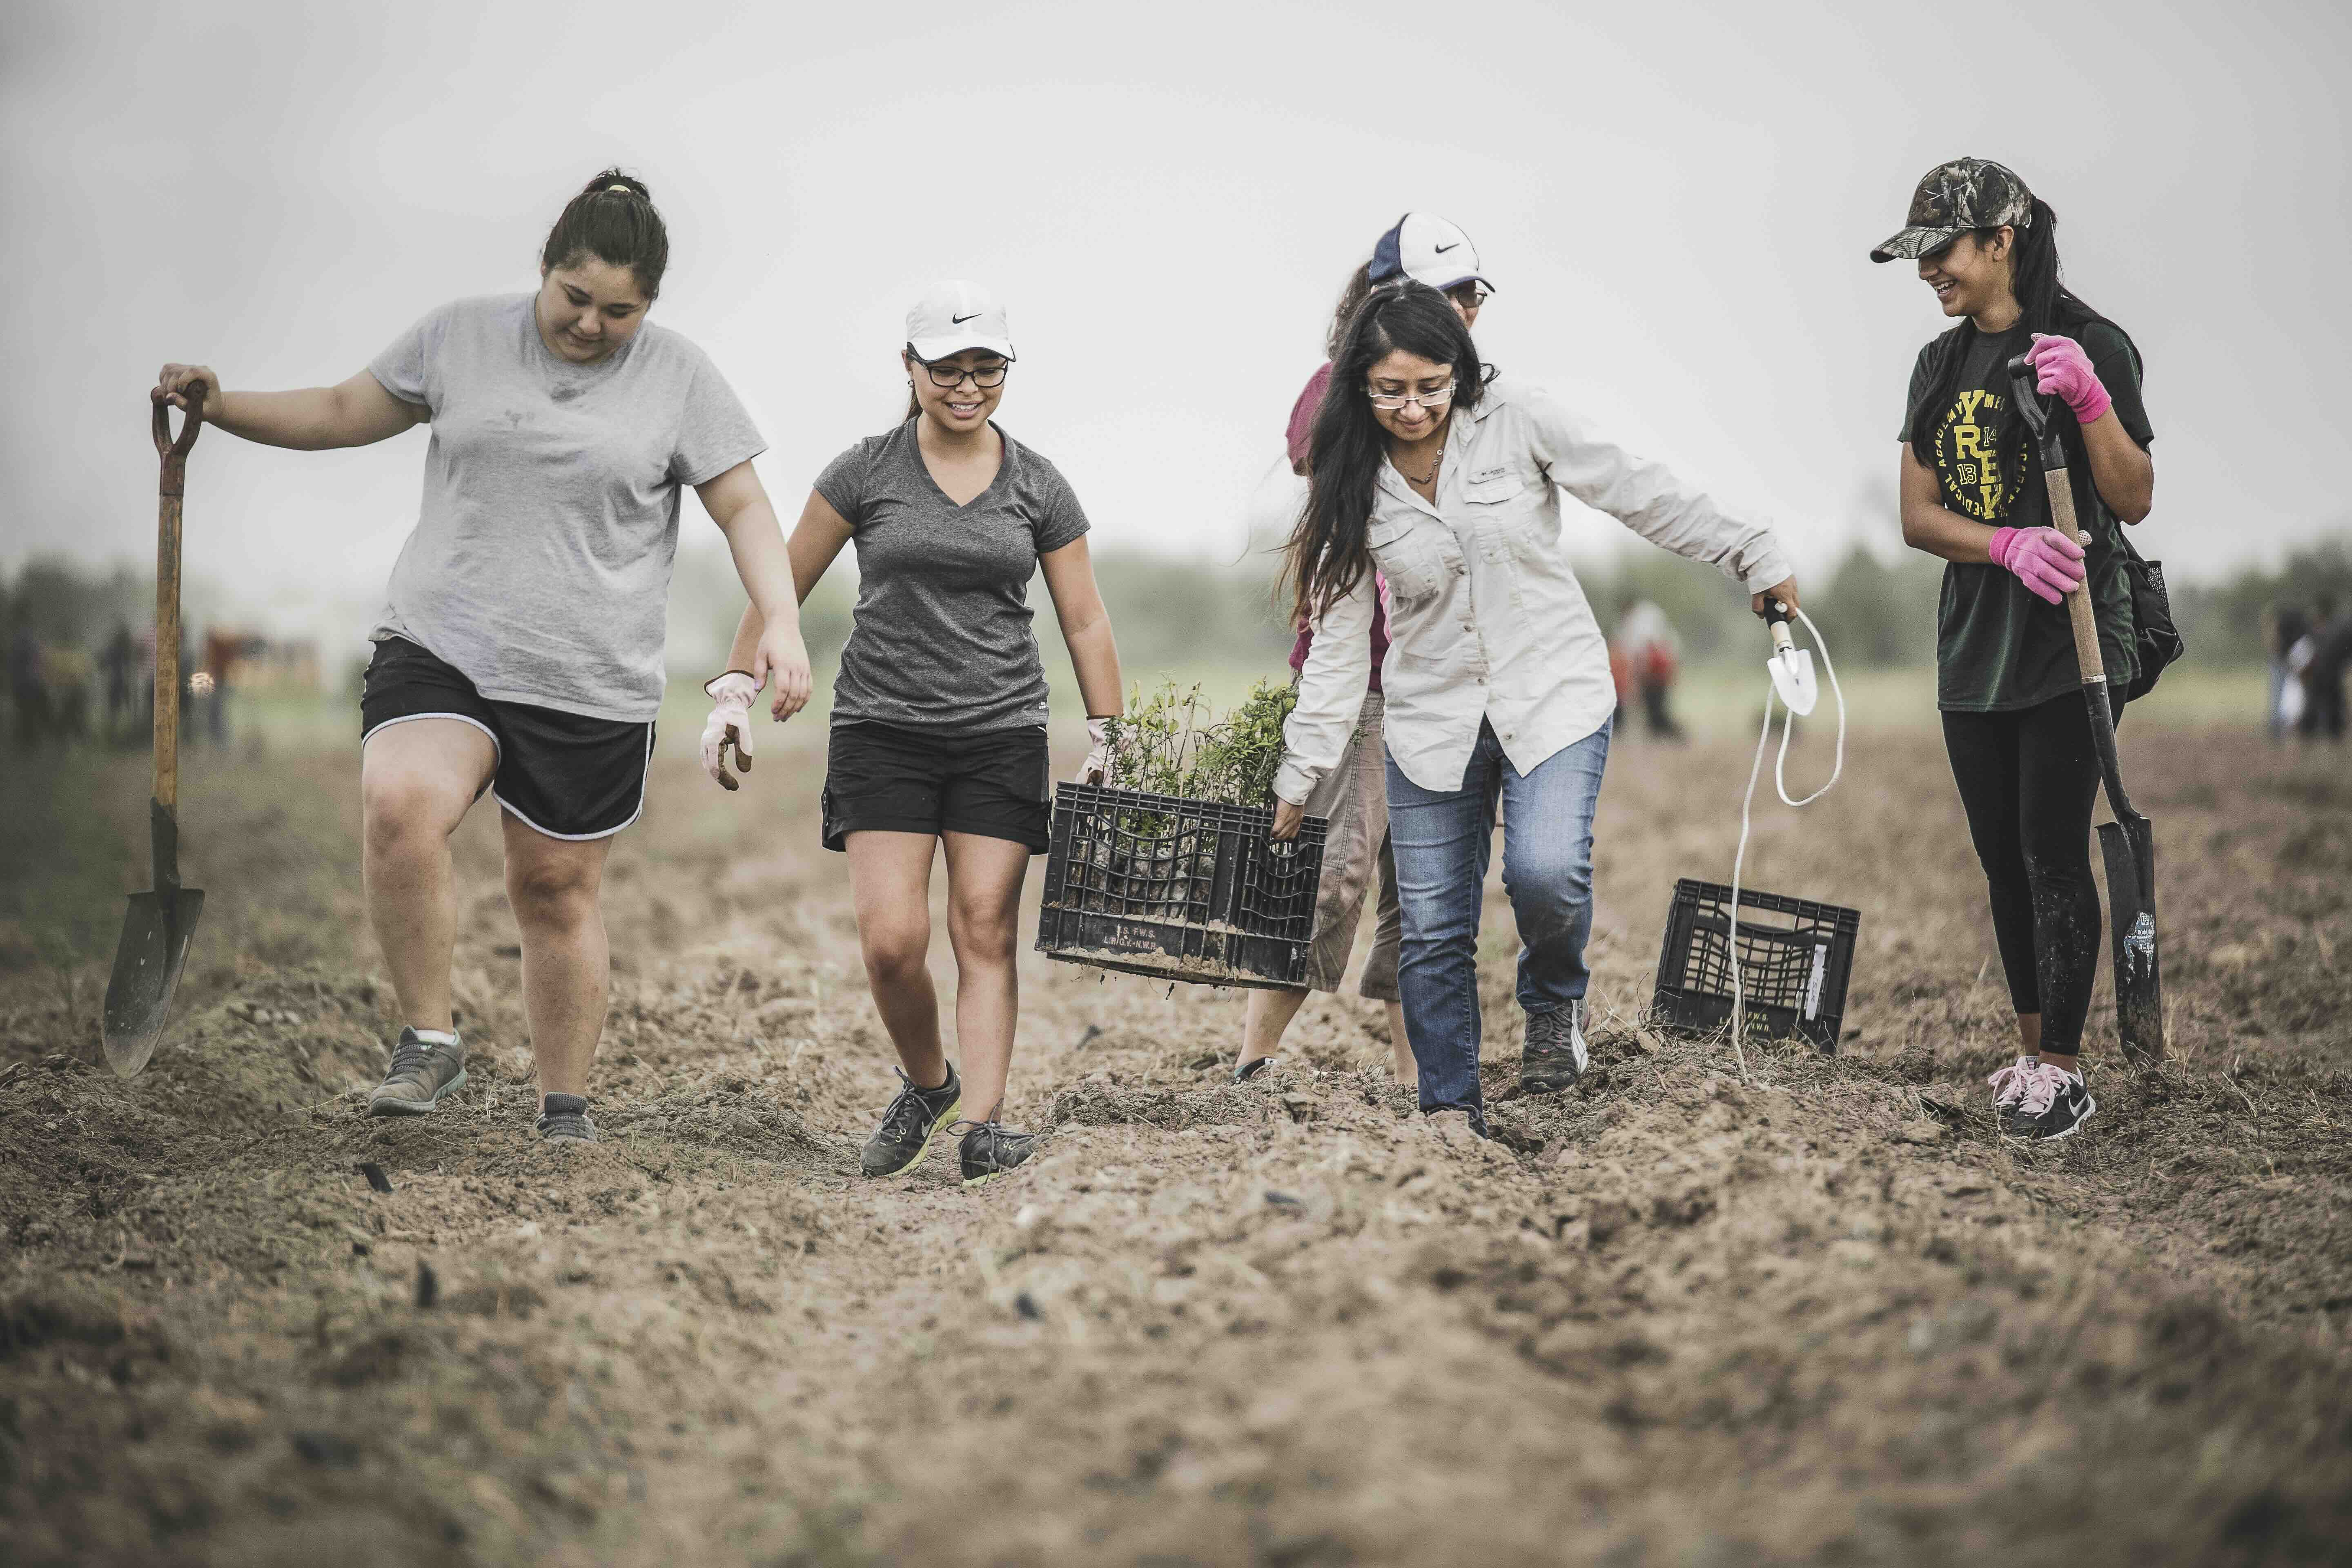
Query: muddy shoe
(990, 1149)
(422, 1072)
(2008, 1085)
(905, 1135)
(1555, 1057)
(1245, 1071)
(565, 1117)
(2055, 1103)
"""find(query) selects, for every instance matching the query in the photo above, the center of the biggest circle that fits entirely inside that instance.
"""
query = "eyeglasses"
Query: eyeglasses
(948, 375)
(1401, 399)
(1469, 295)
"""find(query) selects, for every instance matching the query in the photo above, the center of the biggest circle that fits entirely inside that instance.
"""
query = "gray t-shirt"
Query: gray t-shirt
(540, 563)
(942, 639)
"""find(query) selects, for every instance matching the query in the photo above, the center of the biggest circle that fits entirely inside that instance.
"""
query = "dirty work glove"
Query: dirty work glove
(729, 724)
(1097, 767)
(2045, 560)
(2061, 366)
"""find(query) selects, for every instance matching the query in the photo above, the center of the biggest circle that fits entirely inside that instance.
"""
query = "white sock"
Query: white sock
(434, 1036)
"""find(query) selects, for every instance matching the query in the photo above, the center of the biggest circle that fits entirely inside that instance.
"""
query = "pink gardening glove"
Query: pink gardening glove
(2045, 561)
(2064, 368)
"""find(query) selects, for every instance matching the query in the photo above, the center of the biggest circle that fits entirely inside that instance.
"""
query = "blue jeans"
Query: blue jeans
(1443, 840)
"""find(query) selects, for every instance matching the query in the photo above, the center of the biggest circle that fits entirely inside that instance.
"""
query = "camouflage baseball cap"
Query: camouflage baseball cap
(1954, 198)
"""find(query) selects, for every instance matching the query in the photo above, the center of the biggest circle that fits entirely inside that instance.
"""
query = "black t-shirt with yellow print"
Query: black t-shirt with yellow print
(1998, 646)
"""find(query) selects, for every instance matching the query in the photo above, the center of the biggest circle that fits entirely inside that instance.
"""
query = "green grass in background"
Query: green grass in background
(1712, 701)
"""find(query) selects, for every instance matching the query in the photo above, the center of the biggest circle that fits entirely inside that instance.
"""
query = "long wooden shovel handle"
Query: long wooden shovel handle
(2078, 602)
(170, 492)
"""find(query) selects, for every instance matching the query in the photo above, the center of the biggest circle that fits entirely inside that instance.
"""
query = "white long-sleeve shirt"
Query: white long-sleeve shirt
(1486, 621)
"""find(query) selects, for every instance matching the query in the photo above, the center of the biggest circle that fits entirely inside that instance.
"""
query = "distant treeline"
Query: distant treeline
(1173, 614)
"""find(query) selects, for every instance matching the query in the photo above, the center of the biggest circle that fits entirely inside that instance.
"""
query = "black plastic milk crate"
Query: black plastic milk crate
(1795, 957)
(1182, 890)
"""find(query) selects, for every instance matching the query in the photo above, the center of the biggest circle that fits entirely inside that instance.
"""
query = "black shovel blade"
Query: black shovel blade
(147, 964)
(2128, 848)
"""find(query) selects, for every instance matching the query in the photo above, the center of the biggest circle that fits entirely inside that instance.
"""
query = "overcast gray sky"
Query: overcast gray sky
(1674, 200)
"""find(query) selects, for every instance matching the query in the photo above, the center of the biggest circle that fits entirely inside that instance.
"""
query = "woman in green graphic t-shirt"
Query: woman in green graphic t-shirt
(520, 649)
(2012, 695)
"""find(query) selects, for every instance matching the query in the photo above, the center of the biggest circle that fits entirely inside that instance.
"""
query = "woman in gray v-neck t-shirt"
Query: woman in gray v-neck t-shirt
(938, 719)
(942, 636)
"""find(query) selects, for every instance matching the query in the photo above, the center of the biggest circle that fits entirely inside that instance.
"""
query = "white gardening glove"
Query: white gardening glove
(729, 724)
(1097, 767)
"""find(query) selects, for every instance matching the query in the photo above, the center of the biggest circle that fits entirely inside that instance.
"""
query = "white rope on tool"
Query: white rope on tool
(1779, 783)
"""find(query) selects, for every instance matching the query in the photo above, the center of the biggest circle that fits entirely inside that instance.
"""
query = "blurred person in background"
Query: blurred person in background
(224, 646)
(2284, 626)
(66, 672)
(2322, 668)
(1428, 469)
(28, 690)
(1353, 796)
(117, 661)
(519, 651)
(1652, 653)
(2008, 682)
(938, 740)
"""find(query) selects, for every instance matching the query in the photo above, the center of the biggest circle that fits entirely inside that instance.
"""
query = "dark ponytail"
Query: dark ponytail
(613, 220)
(1352, 300)
(2046, 304)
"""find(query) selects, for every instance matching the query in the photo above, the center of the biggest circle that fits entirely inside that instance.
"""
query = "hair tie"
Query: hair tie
(625, 190)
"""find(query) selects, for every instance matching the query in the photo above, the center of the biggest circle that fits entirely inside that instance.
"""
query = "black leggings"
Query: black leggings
(2028, 780)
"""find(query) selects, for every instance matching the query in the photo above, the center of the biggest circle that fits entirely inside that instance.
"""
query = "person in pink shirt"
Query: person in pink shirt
(1353, 797)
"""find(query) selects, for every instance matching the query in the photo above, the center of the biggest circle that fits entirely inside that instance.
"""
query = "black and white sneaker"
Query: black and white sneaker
(990, 1149)
(2008, 1085)
(1555, 1055)
(2055, 1104)
(563, 1118)
(900, 1144)
(1245, 1071)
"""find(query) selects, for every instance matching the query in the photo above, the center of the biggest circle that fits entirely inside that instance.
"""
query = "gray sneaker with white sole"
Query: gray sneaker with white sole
(422, 1072)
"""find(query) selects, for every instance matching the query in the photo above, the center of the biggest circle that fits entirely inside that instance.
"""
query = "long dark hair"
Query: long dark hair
(1326, 556)
(613, 220)
(2048, 306)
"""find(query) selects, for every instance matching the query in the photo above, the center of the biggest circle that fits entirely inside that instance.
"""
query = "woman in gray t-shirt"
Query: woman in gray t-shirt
(938, 714)
(520, 649)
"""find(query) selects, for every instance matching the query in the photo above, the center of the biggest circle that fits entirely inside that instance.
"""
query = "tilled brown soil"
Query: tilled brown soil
(1822, 1314)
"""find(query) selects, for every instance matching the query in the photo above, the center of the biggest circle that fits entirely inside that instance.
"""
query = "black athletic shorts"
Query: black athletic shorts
(561, 775)
(881, 778)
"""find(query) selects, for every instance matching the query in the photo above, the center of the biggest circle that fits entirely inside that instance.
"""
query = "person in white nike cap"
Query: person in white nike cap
(938, 713)
(1353, 796)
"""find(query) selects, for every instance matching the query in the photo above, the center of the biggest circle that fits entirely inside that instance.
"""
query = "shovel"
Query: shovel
(2128, 843)
(158, 928)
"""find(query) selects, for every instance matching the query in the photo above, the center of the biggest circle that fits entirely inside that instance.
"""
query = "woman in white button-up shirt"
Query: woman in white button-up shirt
(1446, 479)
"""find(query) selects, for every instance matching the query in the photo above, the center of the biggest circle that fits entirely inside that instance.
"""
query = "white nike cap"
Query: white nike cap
(1427, 250)
(954, 316)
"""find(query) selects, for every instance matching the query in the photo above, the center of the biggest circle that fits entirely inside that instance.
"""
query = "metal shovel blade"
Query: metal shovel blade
(147, 964)
(2128, 848)
(1792, 678)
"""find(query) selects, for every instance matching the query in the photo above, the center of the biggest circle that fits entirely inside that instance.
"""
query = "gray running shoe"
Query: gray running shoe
(905, 1135)
(1245, 1071)
(990, 1149)
(1554, 1055)
(422, 1072)
(562, 1116)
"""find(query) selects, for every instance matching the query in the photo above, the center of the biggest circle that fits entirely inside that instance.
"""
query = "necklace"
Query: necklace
(1436, 462)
